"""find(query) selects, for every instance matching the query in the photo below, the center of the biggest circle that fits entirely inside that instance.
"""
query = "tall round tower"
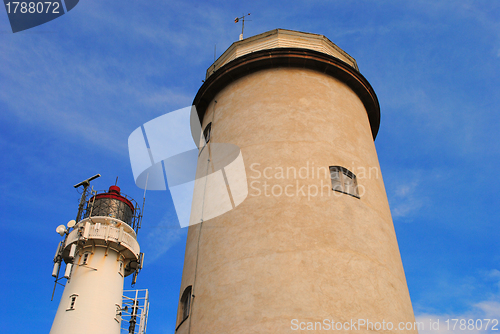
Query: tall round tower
(99, 251)
(313, 245)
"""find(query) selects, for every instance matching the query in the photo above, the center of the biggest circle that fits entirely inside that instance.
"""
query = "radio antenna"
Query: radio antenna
(85, 184)
(144, 198)
(236, 20)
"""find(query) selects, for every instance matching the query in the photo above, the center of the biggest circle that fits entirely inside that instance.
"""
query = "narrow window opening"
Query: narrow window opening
(85, 259)
(344, 181)
(185, 304)
(120, 269)
(207, 132)
(72, 302)
(118, 316)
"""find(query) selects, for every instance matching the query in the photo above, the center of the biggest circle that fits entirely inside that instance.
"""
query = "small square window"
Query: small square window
(344, 181)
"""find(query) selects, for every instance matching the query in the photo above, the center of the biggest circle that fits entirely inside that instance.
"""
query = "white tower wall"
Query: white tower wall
(98, 287)
(106, 251)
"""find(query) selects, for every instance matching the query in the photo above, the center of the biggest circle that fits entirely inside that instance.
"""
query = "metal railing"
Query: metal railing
(107, 233)
(134, 311)
(118, 211)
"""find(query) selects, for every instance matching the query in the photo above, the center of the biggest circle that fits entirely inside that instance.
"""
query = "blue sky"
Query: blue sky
(72, 91)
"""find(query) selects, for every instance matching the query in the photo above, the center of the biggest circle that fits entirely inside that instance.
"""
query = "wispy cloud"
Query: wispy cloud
(405, 199)
(95, 93)
(475, 317)
(483, 317)
(162, 237)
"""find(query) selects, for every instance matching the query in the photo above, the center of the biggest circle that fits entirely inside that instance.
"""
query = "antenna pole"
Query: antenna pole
(85, 184)
(144, 198)
(143, 203)
(236, 20)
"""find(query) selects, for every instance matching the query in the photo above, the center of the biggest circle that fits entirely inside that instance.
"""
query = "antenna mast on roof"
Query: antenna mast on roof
(85, 184)
(236, 20)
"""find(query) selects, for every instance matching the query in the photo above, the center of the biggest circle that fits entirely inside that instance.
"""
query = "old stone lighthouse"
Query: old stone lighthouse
(313, 243)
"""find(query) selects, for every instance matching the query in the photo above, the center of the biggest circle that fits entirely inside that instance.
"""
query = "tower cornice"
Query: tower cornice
(292, 58)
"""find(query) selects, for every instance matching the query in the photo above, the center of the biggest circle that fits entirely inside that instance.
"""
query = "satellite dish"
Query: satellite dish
(61, 229)
(71, 223)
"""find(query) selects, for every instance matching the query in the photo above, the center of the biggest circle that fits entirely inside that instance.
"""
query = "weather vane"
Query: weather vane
(236, 20)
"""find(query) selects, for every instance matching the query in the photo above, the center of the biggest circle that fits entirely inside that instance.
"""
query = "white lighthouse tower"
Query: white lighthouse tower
(100, 248)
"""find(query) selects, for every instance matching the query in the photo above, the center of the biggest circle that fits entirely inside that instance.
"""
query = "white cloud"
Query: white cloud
(404, 199)
(482, 318)
(473, 318)
(95, 94)
(162, 237)
(78, 95)
(165, 97)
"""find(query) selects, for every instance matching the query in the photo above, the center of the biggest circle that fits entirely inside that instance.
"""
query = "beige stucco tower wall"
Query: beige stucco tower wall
(295, 104)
